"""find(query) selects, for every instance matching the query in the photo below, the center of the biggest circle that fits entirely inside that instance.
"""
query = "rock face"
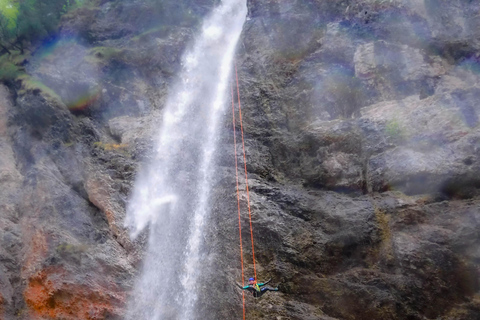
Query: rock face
(362, 148)
(362, 138)
(53, 236)
(68, 161)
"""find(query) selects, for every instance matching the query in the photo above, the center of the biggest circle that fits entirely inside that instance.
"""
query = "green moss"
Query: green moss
(395, 130)
(18, 58)
(34, 85)
(71, 248)
(8, 71)
(11, 66)
(11, 69)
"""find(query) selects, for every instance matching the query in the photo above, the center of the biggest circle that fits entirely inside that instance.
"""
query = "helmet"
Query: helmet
(251, 279)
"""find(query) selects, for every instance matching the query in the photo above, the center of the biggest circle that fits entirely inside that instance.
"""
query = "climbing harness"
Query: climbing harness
(238, 191)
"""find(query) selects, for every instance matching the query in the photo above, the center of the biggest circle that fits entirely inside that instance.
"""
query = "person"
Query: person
(257, 289)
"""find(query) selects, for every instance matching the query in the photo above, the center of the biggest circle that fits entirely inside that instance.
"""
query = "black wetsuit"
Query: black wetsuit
(258, 289)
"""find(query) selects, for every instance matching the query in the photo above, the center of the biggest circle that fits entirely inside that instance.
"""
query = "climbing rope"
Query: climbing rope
(238, 202)
(238, 189)
(246, 175)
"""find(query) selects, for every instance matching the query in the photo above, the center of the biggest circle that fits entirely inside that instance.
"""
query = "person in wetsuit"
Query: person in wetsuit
(257, 289)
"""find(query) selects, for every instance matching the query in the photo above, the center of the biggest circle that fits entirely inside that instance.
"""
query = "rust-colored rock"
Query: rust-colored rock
(2, 303)
(99, 193)
(49, 296)
(36, 250)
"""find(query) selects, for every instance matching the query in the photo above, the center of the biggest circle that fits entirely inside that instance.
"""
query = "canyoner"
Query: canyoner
(257, 289)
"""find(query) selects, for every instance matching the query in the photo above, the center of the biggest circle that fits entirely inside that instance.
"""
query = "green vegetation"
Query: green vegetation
(394, 129)
(31, 84)
(71, 248)
(10, 10)
(8, 69)
(11, 69)
(22, 22)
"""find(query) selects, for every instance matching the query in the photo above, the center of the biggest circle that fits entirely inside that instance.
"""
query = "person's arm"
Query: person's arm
(243, 288)
(262, 284)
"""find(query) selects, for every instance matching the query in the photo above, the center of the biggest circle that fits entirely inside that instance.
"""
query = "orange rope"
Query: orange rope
(246, 175)
(238, 203)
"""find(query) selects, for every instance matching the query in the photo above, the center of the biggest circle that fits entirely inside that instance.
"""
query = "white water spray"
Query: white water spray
(172, 194)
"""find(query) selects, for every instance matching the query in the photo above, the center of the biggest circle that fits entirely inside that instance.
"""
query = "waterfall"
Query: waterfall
(171, 194)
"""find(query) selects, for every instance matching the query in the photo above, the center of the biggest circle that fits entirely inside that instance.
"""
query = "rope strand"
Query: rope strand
(238, 203)
(246, 175)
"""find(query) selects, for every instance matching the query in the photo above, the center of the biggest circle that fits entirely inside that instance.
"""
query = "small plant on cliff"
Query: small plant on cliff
(71, 248)
(110, 146)
(394, 130)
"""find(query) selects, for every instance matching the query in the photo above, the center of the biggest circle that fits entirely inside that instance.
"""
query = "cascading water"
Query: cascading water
(171, 195)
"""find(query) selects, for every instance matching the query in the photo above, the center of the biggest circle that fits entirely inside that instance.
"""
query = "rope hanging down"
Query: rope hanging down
(246, 175)
(238, 202)
(238, 189)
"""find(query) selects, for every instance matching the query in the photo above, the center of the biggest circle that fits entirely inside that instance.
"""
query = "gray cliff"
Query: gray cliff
(362, 137)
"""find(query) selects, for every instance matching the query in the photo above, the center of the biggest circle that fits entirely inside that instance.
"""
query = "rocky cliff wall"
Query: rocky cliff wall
(362, 136)
(69, 159)
(361, 121)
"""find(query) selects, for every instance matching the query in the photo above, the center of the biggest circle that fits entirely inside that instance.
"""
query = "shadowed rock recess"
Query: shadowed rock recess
(362, 138)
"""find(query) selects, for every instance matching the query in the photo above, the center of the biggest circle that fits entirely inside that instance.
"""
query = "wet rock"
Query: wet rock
(406, 62)
(355, 142)
(430, 146)
(43, 116)
(453, 23)
(135, 133)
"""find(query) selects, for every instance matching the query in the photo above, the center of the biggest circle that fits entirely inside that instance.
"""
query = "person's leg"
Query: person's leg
(265, 289)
